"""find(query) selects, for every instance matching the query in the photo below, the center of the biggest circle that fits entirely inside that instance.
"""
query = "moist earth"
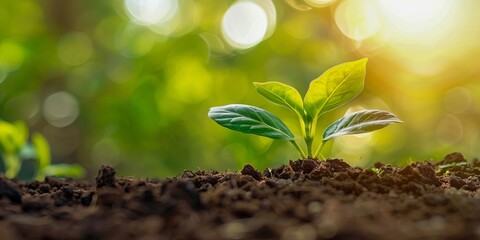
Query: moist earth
(306, 199)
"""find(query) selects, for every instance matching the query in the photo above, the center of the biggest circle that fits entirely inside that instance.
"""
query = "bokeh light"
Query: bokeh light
(245, 24)
(183, 20)
(163, 17)
(75, 48)
(148, 12)
(27, 106)
(132, 41)
(60, 109)
(130, 82)
(449, 130)
(458, 100)
(358, 20)
(12, 55)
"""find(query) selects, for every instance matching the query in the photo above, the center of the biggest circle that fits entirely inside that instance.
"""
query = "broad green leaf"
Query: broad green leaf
(281, 94)
(42, 149)
(12, 164)
(250, 119)
(335, 87)
(9, 136)
(22, 133)
(360, 122)
(65, 170)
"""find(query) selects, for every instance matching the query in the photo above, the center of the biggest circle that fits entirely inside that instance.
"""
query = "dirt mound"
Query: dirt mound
(307, 199)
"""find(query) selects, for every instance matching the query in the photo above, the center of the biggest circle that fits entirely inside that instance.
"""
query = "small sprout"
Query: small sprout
(44, 166)
(13, 137)
(453, 164)
(334, 88)
(378, 171)
(14, 147)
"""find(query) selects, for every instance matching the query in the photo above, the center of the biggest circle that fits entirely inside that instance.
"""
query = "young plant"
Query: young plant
(44, 162)
(377, 171)
(14, 147)
(12, 139)
(453, 164)
(334, 88)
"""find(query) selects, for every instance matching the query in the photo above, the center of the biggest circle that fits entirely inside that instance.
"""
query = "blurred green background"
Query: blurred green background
(129, 83)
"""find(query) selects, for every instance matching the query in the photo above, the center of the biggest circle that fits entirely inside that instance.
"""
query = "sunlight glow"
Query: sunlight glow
(358, 20)
(416, 17)
(320, 3)
(422, 37)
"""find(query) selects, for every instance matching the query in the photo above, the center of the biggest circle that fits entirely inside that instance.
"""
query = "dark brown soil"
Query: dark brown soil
(306, 199)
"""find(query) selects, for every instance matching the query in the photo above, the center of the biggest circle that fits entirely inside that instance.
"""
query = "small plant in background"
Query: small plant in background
(377, 171)
(12, 139)
(15, 147)
(453, 164)
(335, 87)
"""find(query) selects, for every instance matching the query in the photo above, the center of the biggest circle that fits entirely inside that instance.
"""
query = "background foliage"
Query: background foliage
(111, 83)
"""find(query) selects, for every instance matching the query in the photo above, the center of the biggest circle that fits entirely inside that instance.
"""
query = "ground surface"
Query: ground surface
(304, 200)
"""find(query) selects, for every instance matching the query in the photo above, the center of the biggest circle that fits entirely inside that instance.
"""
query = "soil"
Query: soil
(306, 199)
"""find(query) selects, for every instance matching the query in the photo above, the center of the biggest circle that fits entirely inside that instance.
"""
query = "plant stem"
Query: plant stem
(299, 149)
(308, 137)
(319, 149)
(302, 124)
(309, 142)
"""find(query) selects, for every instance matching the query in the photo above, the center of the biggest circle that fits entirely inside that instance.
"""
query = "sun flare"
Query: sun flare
(422, 36)
(417, 17)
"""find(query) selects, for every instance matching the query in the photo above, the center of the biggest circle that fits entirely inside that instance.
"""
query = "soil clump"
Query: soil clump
(306, 199)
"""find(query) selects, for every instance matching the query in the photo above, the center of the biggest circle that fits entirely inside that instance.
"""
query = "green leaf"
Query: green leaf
(335, 87)
(13, 164)
(10, 138)
(65, 170)
(42, 149)
(251, 120)
(360, 122)
(453, 164)
(281, 94)
(22, 132)
(13, 138)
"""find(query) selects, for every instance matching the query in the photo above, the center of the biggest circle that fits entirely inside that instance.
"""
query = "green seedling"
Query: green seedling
(14, 147)
(44, 162)
(334, 88)
(453, 164)
(377, 171)
(12, 139)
